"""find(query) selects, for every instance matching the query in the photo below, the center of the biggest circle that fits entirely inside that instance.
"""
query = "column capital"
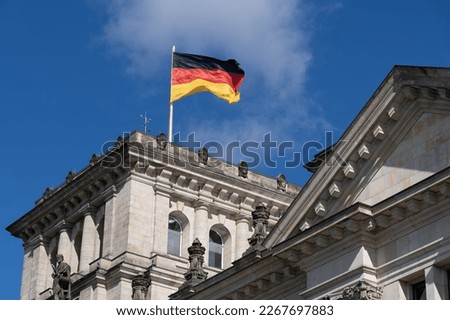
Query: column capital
(362, 291)
(88, 210)
(40, 240)
(242, 218)
(140, 285)
(110, 193)
(64, 226)
(200, 204)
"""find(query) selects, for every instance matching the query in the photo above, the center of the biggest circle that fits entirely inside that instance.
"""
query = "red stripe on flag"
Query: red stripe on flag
(183, 76)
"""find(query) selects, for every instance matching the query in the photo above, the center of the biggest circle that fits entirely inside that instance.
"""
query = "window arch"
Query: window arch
(174, 238)
(215, 254)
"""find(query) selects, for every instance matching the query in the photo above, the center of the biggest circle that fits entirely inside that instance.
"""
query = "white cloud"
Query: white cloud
(269, 38)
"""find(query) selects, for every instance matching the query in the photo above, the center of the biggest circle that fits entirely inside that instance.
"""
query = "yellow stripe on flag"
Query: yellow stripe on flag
(221, 90)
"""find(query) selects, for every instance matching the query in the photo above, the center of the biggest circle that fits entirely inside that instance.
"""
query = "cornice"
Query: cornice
(367, 221)
(96, 182)
(189, 186)
(185, 168)
(90, 187)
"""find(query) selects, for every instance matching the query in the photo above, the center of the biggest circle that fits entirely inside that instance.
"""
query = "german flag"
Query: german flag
(194, 73)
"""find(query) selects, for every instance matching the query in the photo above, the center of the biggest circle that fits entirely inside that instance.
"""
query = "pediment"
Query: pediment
(422, 151)
(401, 137)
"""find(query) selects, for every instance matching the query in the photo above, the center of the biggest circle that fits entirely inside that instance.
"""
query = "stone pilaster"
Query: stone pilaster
(161, 218)
(242, 233)
(436, 283)
(87, 254)
(64, 243)
(201, 230)
(110, 220)
(40, 277)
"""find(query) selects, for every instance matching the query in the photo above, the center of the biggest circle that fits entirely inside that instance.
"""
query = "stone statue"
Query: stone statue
(281, 182)
(243, 169)
(61, 279)
(203, 156)
(161, 141)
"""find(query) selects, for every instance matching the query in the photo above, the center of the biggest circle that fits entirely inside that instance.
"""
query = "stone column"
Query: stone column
(109, 225)
(40, 278)
(396, 290)
(161, 218)
(201, 230)
(242, 233)
(64, 243)
(436, 283)
(88, 241)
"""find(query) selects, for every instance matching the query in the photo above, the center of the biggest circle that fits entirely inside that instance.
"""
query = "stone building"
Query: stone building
(373, 221)
(148, 220)
(125, 222)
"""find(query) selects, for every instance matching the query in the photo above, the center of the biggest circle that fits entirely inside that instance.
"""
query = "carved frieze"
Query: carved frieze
(140, 285)
(362, 291)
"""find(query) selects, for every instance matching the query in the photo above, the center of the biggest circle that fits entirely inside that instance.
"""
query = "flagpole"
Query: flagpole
(170, 103)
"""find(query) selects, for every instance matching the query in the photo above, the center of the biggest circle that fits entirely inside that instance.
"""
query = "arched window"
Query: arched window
(174, 237)
(215, 250)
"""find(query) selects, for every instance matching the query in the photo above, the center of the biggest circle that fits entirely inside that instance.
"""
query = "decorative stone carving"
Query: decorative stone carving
(243, 169)
(119, 142)
(337, 233)
(393, 113)
(334, 189)
(320, 209)
(305, 225)
(61, 279)
(140, 285)
(349, 170)
(410, 93)
(94, 159)
(362, 291)
(281, 182)
(378, 132)
(260, 221)
(195, 274)
(70, 176)
(364, 151)
(203, 156)
(161, 141)
(47, 193)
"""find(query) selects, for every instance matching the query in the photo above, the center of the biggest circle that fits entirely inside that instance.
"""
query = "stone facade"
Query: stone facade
(371, 223)
(112, 220)
(373, 220)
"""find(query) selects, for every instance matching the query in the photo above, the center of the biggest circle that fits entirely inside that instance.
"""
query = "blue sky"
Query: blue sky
(76, 74)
